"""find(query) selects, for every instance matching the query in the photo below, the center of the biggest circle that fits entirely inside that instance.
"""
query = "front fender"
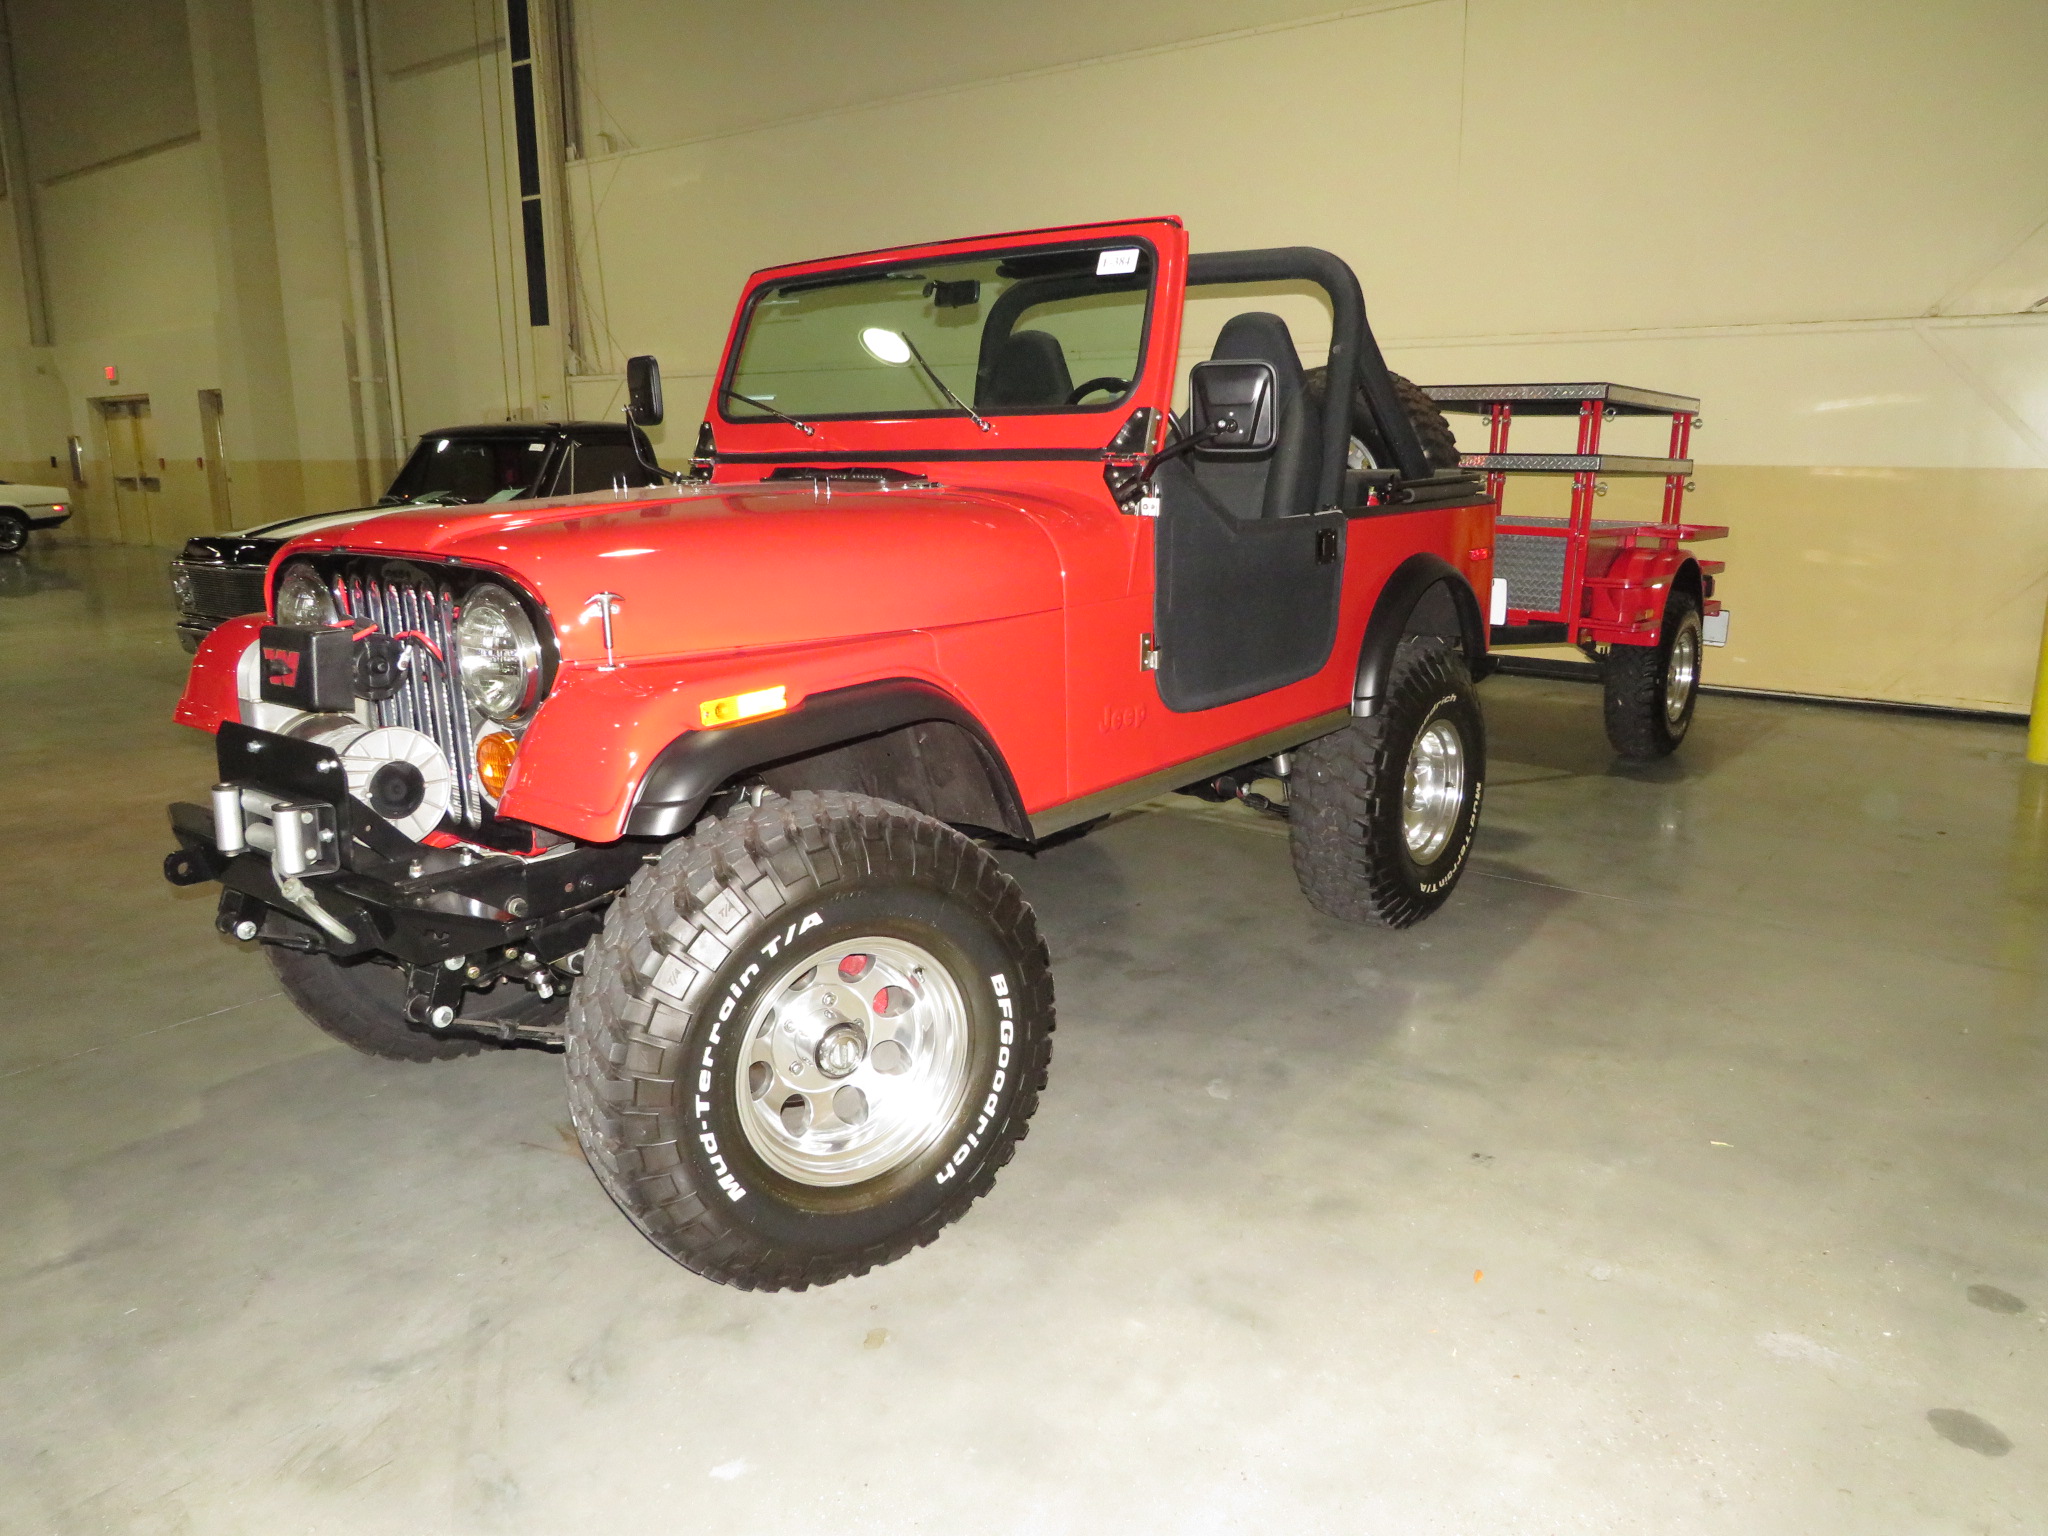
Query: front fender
(693, 766)
(211, 694)
(583, 762)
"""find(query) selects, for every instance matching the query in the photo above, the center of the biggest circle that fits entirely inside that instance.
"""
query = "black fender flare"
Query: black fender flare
(1406, 606)
(692, 768)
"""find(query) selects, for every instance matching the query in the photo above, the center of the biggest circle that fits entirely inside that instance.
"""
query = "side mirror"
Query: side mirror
(1234, 407)
(643, 391)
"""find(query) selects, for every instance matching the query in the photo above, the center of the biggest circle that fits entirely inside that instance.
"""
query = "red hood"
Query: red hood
(731, 567)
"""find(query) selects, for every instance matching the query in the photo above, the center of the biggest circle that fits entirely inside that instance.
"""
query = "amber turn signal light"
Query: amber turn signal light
(494, 755)
(743, 706)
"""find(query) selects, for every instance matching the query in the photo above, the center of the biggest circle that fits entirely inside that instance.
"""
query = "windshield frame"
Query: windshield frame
(879, 266)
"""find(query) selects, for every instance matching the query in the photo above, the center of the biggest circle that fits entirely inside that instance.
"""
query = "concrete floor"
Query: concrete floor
(1685, 1174)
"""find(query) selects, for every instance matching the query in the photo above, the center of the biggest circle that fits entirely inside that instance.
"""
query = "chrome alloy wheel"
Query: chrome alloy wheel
(1681, 671)
(1435, 790)
(854, 1060)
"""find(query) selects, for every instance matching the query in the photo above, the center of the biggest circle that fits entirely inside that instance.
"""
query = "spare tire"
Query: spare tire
(1439, 443)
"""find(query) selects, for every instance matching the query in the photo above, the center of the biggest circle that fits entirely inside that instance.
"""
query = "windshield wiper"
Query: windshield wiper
(425, 499)
(762, 405)
(933, 374)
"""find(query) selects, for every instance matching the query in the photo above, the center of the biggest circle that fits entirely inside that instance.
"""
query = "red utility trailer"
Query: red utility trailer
(1623, 590)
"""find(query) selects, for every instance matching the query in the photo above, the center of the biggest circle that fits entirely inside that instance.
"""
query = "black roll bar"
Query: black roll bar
(1354, 356)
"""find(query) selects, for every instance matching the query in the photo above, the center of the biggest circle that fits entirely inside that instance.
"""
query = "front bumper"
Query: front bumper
(454, 917)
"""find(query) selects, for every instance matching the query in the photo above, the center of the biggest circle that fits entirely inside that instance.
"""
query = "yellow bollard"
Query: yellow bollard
(2037, 723)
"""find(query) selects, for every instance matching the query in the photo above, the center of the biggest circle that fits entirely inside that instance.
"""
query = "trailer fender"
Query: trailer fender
(1635, 586)
(897, 738)
(1426, 595)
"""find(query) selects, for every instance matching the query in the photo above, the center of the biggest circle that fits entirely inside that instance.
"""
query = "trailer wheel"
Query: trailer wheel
(1651, 689)
(13, 531)
(1383, 811)
(807, 1038)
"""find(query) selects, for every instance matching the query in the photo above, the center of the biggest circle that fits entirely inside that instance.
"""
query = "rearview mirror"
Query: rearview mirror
(643, 391)
(1233, 406)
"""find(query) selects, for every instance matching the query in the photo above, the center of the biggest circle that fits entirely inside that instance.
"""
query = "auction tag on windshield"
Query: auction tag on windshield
(1111, 263)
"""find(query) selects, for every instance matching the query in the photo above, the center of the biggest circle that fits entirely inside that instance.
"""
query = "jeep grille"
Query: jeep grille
(403, 600)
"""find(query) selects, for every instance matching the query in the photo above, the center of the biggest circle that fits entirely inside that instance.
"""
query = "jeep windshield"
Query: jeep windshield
(446, 467)
(1045, 330)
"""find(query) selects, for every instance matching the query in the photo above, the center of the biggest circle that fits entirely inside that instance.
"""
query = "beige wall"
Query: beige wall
(1824, 219)
(180, 156)
(456, 284)
(1827, 219)
(88, 103)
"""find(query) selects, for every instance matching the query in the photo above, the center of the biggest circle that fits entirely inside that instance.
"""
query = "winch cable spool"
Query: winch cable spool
(400, 773)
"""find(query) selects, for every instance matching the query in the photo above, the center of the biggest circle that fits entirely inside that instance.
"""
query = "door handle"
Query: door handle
(1326, 546)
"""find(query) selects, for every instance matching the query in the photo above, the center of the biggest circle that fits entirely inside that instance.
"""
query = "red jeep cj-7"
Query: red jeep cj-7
(691, 781)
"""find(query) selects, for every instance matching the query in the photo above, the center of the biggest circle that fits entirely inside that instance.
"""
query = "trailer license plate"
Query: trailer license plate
(1714, 628)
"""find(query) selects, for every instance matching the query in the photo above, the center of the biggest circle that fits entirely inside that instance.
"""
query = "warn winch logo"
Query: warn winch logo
(281, 667)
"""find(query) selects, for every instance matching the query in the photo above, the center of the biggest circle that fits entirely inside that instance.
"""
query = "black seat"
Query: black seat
(1281, 483)
(1030, 368)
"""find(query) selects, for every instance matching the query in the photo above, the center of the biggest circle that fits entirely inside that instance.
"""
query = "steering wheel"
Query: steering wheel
(1109, 382)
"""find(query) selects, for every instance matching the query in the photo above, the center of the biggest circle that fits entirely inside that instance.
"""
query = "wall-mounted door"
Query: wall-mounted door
(124, 432)
(213, 444)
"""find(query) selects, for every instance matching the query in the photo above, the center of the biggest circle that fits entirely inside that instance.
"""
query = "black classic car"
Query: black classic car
(220, 575)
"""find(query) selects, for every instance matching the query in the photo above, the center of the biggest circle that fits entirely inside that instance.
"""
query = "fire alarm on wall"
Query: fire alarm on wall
(113, 374)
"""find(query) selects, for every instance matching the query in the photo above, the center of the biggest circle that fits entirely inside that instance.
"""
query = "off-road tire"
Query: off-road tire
(1439, 442)
(13, 532)
(1347, 827)
(659, 1021)
(1634, 680)
(362, 1004)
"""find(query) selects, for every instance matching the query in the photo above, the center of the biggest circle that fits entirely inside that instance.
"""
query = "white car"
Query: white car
(23, 507)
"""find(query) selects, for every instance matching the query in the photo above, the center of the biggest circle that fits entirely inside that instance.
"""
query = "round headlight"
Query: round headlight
(303, 601)
(500, 653)
(183, 589)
